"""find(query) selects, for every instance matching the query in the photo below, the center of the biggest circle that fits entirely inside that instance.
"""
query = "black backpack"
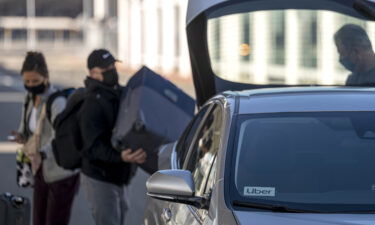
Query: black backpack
(67, 143)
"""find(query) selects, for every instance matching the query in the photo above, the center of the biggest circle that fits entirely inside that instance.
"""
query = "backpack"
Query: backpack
(67, 143)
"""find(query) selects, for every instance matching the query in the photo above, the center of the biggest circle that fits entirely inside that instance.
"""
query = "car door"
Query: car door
(157, 210)
(199, 161)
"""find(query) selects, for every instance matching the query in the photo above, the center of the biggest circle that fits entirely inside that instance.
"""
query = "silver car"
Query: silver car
(282, 156)
(272, 150)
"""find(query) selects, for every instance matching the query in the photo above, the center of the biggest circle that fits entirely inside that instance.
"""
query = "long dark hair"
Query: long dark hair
(35, 61)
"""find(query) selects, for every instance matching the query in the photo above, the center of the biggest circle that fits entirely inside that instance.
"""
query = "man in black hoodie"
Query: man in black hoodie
(105, 170)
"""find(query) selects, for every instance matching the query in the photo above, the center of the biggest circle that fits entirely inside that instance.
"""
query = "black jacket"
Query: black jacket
(97, 119)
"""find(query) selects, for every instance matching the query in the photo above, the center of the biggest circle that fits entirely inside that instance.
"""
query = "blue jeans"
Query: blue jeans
(106, 200)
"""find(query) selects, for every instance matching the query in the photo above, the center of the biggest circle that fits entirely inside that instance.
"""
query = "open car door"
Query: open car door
(248, 44)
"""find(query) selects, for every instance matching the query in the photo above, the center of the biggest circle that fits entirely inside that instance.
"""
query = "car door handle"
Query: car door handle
(166, 215)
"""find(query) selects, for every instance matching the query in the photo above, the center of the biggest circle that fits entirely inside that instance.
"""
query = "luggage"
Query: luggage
(14, 210)
(153, 111)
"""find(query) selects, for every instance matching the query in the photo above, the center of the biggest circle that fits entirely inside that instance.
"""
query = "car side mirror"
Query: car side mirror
(175, 186)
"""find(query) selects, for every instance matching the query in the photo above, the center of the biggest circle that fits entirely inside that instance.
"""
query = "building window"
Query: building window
(112, 8)
(246, 46)
(277, 37)
(177, 31)
(160, 31)
(143, 31)
(216, 39)
(309, 28)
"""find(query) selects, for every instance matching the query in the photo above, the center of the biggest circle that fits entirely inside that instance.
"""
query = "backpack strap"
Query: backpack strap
(25, 105)
(49, 103)
(75, 101)
(64, 93)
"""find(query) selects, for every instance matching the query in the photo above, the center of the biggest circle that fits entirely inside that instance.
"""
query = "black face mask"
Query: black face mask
(349, 65)
(36, 90)
(110, 77)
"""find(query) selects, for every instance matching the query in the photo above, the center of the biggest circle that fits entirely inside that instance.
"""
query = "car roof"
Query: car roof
(305, 99)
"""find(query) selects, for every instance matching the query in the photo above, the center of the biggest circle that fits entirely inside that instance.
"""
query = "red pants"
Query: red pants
(53, 201)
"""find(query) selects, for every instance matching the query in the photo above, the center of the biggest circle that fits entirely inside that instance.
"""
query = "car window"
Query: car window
(211, 178)
(186, 138)
(261, 45)
(210, 181)
(204, 148)
(316, 161)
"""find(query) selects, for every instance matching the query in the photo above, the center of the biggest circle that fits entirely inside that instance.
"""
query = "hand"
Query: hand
(138, 156)
(18, 138)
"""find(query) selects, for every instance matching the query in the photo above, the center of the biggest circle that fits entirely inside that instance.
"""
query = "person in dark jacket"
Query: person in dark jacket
(105, 170)
(356, 55)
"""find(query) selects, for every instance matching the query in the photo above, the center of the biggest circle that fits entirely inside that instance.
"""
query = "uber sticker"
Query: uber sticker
(260, 191)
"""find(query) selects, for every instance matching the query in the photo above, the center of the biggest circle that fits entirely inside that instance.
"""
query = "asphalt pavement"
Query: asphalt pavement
(11, 98)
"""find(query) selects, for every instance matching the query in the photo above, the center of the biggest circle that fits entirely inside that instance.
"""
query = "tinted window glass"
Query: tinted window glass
(320, 161)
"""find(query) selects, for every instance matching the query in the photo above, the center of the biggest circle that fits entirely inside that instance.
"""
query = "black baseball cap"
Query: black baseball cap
(100, 58)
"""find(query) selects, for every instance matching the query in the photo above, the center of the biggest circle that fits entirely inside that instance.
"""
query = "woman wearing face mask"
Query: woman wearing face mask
(54, 187)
